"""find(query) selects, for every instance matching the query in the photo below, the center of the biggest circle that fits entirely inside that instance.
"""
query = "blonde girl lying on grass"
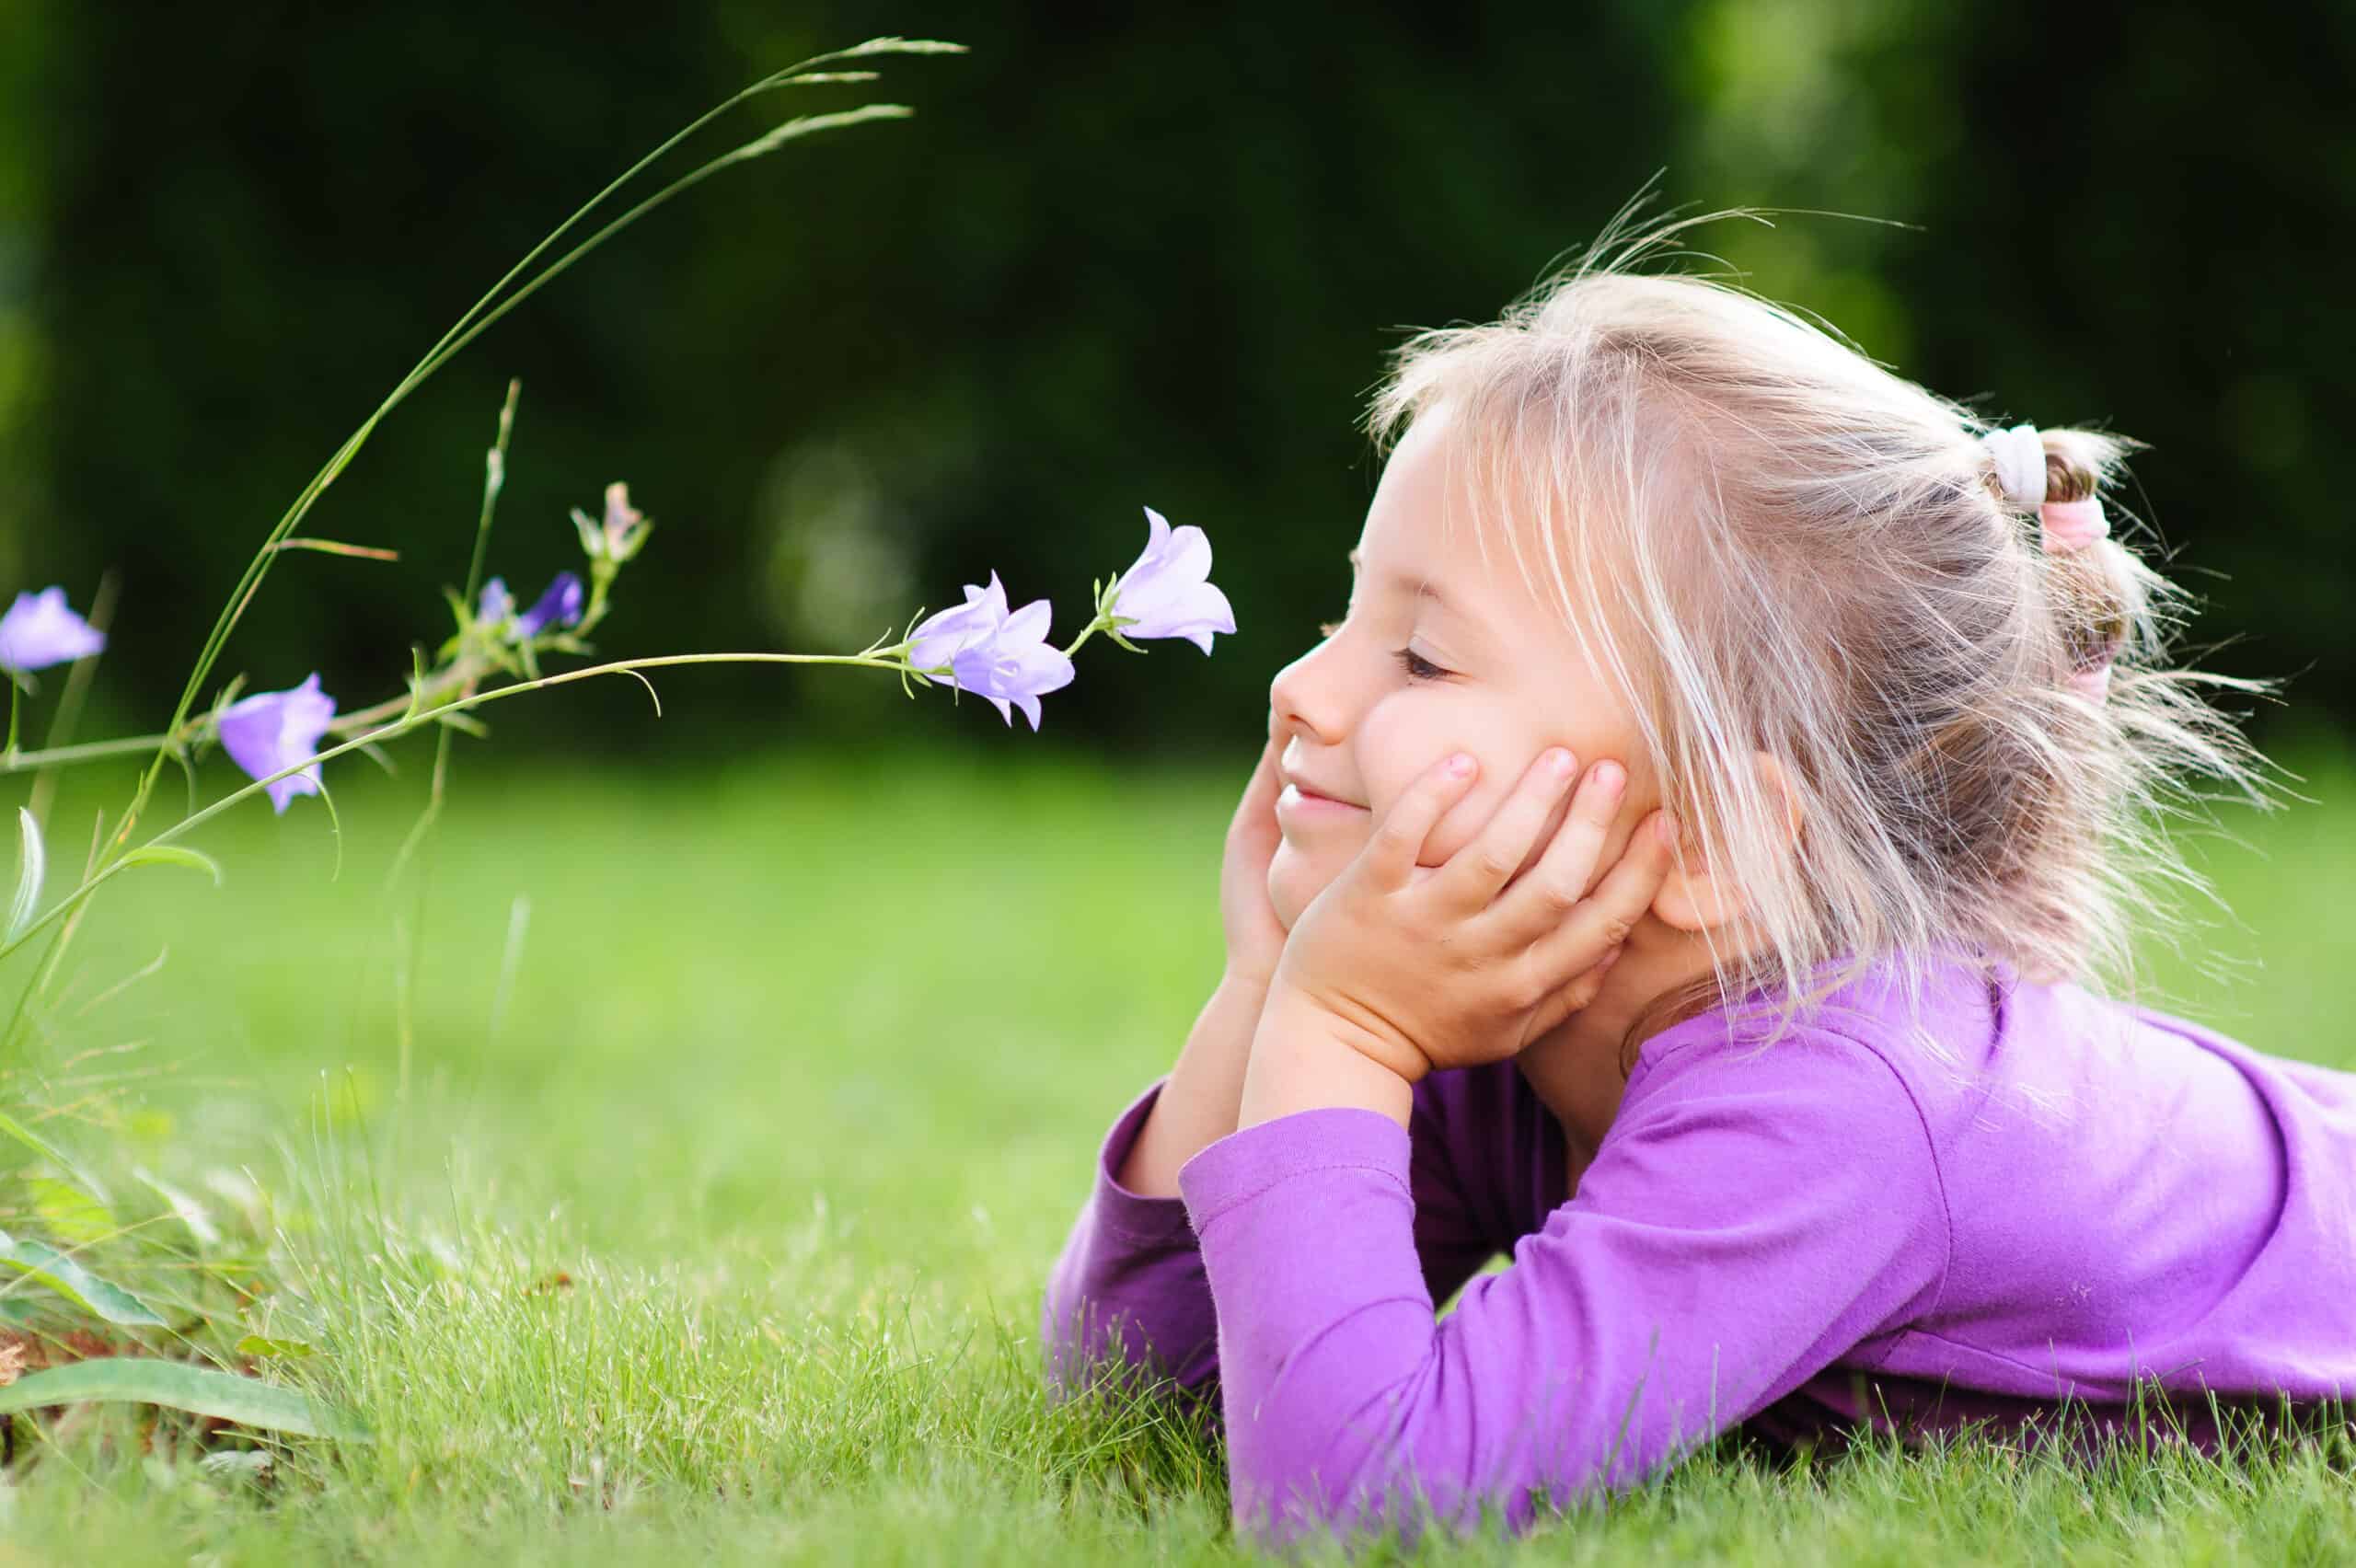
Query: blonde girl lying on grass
(1810, 731)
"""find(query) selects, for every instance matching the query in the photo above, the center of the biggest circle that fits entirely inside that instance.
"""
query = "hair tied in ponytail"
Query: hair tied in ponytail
(2064, 527)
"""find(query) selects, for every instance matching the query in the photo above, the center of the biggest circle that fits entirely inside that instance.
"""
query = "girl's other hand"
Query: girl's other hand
(1432, 967)
(1255, 939)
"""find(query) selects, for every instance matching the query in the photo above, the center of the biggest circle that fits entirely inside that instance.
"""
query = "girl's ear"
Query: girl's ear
(1697, 897)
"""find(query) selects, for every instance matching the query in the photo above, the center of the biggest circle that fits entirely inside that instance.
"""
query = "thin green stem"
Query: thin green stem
(86, 751)
(686, 182)
(411, 938)
(458, 676)
(199, 728)
(494, 480)
(459, 333)
(411, 721)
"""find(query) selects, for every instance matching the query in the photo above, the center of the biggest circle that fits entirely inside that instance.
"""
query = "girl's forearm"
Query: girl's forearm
(1197, 1107)
(1304, 1058)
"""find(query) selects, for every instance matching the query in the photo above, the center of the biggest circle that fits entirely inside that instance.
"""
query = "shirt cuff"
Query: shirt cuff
(1244, 1165)
(1132, 1214)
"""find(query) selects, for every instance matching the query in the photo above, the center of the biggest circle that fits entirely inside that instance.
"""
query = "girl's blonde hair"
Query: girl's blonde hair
(1770, 543)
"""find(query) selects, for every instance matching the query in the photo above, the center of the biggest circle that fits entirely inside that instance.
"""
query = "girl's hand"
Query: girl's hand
(1422, 967)
(1255, 939)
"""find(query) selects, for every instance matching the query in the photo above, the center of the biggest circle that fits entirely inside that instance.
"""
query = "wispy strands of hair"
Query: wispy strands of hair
(1775, 548)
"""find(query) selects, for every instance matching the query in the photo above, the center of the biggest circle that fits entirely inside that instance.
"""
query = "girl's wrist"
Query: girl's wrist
(1246, 985)
(1304, 1057)
(1308, 1015)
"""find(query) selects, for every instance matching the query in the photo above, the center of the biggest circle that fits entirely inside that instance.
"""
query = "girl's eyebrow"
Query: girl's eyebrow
(1423, 588)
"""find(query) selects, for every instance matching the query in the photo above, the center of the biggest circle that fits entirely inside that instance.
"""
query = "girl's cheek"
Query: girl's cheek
(1403, 737)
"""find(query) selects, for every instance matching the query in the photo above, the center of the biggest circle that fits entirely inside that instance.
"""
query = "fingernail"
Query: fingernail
(1459, 765)
(1609, 776)
(1561, 764)
(1665, 829)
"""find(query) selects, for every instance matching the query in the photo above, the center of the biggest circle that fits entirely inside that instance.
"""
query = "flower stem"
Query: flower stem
(401, 726)
(481, 314)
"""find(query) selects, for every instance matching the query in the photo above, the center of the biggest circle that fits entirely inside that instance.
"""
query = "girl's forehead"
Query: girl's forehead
(1451, 532)
(1432, 531)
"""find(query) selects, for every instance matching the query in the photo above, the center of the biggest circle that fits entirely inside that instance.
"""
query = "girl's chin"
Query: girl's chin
(1295, 880)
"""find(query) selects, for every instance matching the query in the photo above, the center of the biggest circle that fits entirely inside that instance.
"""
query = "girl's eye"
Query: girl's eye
(1418, 668)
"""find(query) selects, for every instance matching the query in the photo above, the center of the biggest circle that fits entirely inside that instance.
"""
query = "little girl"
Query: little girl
(1759, 1048)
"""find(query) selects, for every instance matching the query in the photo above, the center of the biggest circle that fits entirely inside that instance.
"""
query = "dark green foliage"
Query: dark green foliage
(1158, 261)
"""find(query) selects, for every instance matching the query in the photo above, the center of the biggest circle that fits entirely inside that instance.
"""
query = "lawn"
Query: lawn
(698, 1205)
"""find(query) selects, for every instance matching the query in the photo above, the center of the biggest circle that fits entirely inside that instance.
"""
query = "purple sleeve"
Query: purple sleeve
(1749, 1219)
(1130, 1287)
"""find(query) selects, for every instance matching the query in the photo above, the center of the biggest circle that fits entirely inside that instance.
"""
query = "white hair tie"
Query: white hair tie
(2020, 465)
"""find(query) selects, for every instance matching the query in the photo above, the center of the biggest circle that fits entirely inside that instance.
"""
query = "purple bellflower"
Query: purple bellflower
(40, 630)
(1168, 589)
(272, 730)
(1003, 657)
(561, 604)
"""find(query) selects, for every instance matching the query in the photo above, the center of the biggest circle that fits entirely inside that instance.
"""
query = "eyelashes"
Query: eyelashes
(1417, 667)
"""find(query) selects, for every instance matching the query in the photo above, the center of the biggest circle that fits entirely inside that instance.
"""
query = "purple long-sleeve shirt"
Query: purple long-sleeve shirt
(1840, 1229)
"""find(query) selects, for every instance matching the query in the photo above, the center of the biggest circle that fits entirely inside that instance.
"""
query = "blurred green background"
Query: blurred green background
(1157, 261)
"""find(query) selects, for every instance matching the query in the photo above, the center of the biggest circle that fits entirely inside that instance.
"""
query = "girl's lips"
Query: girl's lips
(1296, 802)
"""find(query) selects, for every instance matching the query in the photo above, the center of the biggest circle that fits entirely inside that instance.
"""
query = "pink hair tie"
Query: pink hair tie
(2070, 525)
(2065, 527)
(2093, 685)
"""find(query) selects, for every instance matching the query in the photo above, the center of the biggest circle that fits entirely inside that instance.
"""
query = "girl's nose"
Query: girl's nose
(1306, 705)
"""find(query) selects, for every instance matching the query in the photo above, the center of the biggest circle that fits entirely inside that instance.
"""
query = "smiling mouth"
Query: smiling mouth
(1296, 799)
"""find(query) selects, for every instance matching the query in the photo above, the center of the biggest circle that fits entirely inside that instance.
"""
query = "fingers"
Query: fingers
(1255, 811)
(1541, 899)
(1576, 996)
(1267, 778)
(1593, 926)
(1397, 844)
(1475, 874)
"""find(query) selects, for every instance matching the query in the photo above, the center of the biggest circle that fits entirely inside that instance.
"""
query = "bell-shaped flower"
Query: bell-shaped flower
(620, 535)
(40, 630)
(496, 604)
(1000, 656)
(1168, 589)
(560, 604)
(272, 729)
(942, 636)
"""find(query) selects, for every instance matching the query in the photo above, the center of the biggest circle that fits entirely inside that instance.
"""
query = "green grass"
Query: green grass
(794, 1077)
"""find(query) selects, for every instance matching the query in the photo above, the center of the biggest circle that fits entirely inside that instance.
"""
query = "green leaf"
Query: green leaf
(202, 1390)
(33, 865)
(174, 855)
(74, 1216)
(11, 1127)
(45, 1264)
(264, 1349)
